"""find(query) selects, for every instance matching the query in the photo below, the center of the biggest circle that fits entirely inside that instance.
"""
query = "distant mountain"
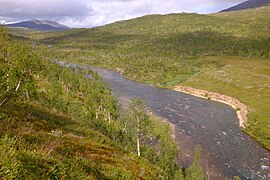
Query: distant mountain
(247, 5)
(41, 25)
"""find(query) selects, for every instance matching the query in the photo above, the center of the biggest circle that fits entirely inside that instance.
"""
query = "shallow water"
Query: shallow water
(226, 150)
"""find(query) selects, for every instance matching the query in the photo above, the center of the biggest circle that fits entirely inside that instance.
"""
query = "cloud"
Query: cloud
(25, 9)
(89, 13)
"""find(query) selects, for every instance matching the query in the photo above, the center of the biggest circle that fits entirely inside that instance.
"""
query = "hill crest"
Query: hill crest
(247, 5)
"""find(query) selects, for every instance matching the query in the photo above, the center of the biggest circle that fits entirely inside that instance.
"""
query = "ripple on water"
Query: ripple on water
(224, 133)
(265, 168)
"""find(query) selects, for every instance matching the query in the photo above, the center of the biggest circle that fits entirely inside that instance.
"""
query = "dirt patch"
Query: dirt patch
(120, 70)
(241, 108)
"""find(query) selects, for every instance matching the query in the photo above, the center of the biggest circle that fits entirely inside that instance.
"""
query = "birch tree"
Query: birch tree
(18, 67)
(195, 170)
(141, 123)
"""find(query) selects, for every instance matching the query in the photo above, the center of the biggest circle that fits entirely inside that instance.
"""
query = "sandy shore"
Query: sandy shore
(241, 109)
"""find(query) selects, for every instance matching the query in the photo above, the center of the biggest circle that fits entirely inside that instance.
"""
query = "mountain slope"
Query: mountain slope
(36, 142)
(57, 124)
(41, 25)
(247, 5)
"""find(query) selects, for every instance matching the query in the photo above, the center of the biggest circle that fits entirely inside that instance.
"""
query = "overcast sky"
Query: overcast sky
(90, 13)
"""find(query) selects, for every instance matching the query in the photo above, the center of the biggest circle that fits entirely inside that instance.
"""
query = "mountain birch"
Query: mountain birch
(141, 123)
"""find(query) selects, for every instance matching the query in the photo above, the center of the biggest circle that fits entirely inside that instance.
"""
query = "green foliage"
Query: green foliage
(57, 124)
(141, 125)
(9, 167)
(195, 171)
(236, 178)
(178, 175)
(4, 35)
(166, 147)
(156, 143)
(19, 65)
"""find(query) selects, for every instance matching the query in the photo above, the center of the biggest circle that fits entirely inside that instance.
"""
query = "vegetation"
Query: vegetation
(248, 80)
(57, 124)
(195, 171)
(226, 53)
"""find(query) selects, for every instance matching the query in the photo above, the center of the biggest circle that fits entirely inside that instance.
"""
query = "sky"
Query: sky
(92, 13)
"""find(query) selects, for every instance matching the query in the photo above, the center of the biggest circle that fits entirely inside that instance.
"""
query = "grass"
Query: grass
(248, 80)
(37, 142)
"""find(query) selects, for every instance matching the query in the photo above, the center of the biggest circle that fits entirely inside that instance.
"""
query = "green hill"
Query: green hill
(57, 124)
(225, 52)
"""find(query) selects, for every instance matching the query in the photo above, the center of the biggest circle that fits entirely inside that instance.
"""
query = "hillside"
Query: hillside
(57, 124)
(226, 53)
(40, 25)
(248, 5)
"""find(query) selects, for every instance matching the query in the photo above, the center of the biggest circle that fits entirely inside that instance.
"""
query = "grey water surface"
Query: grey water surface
(226, 150)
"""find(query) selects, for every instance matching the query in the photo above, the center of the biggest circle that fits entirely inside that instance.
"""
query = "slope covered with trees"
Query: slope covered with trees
(226, 53)
(57, 124)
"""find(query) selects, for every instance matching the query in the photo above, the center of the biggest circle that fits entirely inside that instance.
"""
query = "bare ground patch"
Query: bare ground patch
(241, 108)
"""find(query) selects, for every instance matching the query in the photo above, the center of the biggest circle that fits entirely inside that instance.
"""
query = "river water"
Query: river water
(226, 150)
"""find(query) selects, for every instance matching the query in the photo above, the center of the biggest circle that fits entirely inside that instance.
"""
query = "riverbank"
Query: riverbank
(197, 122)
(240, 108)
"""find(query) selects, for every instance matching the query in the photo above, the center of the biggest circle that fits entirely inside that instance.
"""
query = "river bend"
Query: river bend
(226, 150)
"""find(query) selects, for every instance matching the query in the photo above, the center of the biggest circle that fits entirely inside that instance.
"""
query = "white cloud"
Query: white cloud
(89, 13)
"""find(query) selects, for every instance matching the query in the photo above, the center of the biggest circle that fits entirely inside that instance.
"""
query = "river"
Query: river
(226, 150)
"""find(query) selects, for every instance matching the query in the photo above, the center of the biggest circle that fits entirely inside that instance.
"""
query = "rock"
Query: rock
(265, 168)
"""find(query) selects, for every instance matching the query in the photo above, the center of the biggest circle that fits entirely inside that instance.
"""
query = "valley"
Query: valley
(85, 103)
(227, 53)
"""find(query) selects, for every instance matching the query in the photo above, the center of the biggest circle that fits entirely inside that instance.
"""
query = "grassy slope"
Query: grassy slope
(37, 142)
(226, 53)
(49, 127)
